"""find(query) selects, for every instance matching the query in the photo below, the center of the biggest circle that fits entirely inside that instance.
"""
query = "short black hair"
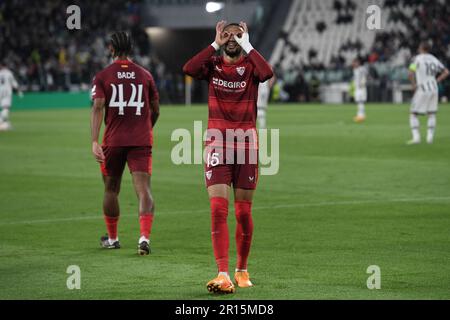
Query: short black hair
(121, 42)
(425, 46)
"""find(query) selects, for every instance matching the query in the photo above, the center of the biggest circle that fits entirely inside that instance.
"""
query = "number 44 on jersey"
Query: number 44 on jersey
(118, 101)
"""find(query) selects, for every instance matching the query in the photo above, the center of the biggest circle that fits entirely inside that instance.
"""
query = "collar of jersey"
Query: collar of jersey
(232, 64)
(122, 61)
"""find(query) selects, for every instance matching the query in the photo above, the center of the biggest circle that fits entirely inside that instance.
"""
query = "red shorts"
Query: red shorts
(243, 174)
(139, 159)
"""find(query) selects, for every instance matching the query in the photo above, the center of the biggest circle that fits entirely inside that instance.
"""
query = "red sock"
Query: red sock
(244, 231)
(219, 231)
(145, 221)
(111, 226)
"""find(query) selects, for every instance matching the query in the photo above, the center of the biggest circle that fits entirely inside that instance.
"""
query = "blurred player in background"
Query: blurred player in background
(263, 101)
(7, 84)
(360, 93)
(422, 74)
(233, 90)
(127, 94)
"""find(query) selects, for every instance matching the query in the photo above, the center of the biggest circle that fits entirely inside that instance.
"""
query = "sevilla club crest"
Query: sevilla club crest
(240, 70)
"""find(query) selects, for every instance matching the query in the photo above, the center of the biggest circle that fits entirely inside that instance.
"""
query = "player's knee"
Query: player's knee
(112, 189)
(219, 208)
(112, 185)
(243, 208)
(111, 194)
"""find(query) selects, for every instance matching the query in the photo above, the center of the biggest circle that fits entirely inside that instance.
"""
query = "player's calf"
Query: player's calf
(431, 126)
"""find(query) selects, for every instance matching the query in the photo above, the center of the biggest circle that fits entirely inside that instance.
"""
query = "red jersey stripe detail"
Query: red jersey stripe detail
(243, 111)
(149, 169)
(103, 169)
(223, 124)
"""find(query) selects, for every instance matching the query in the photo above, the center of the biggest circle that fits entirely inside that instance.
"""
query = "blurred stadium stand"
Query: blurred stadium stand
(310, 42)
(320, 38)
(46, 56)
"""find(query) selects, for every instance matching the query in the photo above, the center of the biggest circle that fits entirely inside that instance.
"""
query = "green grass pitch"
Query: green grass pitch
(347, 196)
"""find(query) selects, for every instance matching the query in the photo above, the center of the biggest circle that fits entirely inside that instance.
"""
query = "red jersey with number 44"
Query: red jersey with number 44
(127, 89)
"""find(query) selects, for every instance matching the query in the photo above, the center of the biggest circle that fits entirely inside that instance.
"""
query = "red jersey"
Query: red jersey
(128, 89)
(233, 88)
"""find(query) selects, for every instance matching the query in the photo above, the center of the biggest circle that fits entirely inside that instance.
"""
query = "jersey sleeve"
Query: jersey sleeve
(262, 70)
(440, 65)
(98, 90)
(200, 66)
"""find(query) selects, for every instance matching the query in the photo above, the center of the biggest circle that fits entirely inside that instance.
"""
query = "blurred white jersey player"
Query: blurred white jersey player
(422, 73)
(360, 81)
(7, 84)
(263, 101)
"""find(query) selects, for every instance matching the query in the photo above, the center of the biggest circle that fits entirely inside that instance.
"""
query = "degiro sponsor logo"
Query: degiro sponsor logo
(229, 84)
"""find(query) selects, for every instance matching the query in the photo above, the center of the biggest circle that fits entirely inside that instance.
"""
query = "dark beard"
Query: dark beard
(233, 54)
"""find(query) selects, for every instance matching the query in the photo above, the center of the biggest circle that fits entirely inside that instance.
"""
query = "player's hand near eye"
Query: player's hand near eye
(221, 37)
(244, 40)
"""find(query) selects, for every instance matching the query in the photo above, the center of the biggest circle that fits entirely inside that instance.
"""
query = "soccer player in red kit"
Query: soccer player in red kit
(233, 79)
(126, 93)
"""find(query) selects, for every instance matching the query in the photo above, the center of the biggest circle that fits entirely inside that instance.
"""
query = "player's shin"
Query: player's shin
(431, 127)
(244, 232)
(145, 223)
(361, 110)
(219, 232)
(4, 115)
(414, 124)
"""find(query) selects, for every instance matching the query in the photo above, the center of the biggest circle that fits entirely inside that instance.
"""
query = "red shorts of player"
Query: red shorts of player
(241, 174)
(139, 159)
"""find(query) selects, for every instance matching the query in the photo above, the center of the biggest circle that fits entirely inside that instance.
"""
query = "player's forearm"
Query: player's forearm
(412, 79)
(96, 121)
(263, 68)
(195, 65)
(444, 75)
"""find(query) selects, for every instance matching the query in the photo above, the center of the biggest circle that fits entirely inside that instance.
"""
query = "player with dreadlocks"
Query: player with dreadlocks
(126, 95)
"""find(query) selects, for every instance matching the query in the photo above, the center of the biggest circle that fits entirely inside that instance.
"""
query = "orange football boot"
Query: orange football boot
(242, 279)
(220, 284)
(359, 119)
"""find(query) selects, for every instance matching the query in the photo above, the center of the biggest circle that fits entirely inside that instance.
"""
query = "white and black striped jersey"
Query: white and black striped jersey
(360, 77)
(426, 67)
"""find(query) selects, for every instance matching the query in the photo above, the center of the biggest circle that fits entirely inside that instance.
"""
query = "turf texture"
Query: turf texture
(347, 196)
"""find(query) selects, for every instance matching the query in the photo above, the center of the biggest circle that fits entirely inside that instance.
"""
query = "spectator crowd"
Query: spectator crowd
(45, 55)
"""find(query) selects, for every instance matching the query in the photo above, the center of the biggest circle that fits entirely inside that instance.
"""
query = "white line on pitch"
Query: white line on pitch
(294, 205)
